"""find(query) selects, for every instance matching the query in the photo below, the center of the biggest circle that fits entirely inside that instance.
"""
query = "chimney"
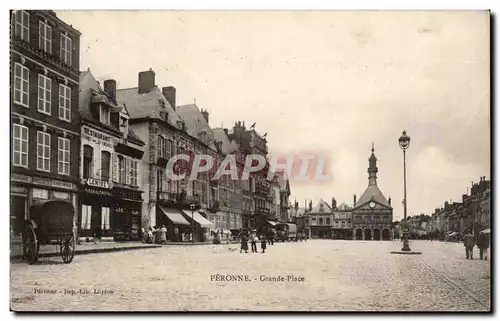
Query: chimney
(334, 203)
(146, 81)
(204, 112)
(389, 200)
(110, 88)
(354, 199)
(310, 206)
(169, 93)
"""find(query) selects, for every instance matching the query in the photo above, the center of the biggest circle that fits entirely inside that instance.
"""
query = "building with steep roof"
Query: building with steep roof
(372, 213)
(342, 221)
(320, 219)
(111, 198)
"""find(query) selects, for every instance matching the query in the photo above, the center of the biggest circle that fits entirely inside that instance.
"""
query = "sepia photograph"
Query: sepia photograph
(246, 161)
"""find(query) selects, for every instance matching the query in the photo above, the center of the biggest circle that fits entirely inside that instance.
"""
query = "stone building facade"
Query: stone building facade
(372, 213)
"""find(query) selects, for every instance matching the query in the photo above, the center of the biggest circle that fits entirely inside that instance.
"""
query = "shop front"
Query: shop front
(98, 202)
(178, 228)
(28, 190)
(200, 224)
(127, 214)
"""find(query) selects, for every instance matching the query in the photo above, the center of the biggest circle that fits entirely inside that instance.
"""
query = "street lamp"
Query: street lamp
(192, 207)
(404, 143)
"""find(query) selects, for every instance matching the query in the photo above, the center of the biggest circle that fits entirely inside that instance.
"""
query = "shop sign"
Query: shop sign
(40, 193)
(134, 195)
(61, 195)
(97, 183)
(98, 192)
(53, 183)
(97, 137)
(20, 178)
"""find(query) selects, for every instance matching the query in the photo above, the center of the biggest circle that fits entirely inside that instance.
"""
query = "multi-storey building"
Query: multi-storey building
(44, 64)
(166, 201)
(320, 219)
(342, 221)
(111, 200)
(372, 214)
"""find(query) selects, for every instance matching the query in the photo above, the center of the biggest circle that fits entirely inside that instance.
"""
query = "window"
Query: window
(64, 102)
(133, 173)
(104, 116)
(63, 150)
(21, 84)
(43, 151)
(22, 25)
(66, 49)
(121, 170)
(88, 156)
(161, 146)
(45, 37)
(105, 165)
(320, 221)
(86, 216)
(20, 145)
(44, 85)
(328, 221)
(105, 218)
(168, 149)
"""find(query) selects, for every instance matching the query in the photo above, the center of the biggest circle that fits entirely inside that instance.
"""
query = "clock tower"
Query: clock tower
(372, 214)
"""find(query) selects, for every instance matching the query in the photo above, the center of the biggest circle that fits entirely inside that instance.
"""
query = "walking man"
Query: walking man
(253, 241)
(263, 244)
(469, 245)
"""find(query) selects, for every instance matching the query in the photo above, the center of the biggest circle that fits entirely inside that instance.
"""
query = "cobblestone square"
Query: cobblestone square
(337, 276)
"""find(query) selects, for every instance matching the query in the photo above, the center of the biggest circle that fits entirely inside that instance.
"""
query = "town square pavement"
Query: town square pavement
(317, 275)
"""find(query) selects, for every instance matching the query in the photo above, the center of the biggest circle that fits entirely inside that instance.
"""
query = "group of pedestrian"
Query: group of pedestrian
(482, 241)
(254, 239)
(155, 234)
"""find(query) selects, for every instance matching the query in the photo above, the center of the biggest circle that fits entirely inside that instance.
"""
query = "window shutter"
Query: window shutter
(84, 216)
(127, 171)
(115, 167)
(103, 218)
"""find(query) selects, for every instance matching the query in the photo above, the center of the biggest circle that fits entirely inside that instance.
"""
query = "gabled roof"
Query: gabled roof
(148, 105)
(301, 211)
(344, 207)
(326, 207)
(195, 122)
(227, 146)
(90, 89)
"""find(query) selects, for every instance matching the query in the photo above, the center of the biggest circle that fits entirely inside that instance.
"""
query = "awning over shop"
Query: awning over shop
(272, 223)
(197, 217)
(175, 216)
(486, 231)
(453, 234)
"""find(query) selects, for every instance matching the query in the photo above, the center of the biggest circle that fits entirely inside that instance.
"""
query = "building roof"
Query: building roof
(90, 89)
(372, 193)
(196, 124)
(148, 105)
(227, 147)
(344, 207)
(326, 207)
(301, 211)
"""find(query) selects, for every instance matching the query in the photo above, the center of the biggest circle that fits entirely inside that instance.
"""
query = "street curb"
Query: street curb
(92, 251)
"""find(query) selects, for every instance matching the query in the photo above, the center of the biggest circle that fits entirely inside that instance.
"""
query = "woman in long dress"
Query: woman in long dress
(244, 244)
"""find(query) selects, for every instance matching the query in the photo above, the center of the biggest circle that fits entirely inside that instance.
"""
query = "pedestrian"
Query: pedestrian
(483, 243)
(254, 241)
(150, 236)
(469, 245)
(163, 234)
(176, 234)
(244, 244)
(263, 244)
(144, 235)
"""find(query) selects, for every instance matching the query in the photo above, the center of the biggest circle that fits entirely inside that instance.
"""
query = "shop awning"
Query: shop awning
(197, 217)
(272, 223)
(175, 216)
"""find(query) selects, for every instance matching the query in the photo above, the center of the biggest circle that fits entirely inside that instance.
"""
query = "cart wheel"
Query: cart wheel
(68, 249)
(30, 245)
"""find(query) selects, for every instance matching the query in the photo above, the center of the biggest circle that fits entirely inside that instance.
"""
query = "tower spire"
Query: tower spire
(372, 168)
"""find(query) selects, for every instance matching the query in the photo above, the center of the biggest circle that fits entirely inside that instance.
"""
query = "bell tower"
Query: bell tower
(372, 169)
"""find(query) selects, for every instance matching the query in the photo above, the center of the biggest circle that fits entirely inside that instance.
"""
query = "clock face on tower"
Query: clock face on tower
(372, 204)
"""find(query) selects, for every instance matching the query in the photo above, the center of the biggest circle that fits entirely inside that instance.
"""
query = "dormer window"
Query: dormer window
(123, 122)
(104, 115)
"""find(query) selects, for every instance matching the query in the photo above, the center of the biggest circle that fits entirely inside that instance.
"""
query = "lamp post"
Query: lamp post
(192, 207)
(404, 143)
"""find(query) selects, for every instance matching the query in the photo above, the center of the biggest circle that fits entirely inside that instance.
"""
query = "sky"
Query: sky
(328, 82)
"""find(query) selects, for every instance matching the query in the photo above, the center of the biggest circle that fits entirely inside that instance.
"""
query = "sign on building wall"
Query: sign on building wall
(97, 137)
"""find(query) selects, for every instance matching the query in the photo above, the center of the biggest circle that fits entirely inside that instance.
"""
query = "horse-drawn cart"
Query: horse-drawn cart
(49, 222)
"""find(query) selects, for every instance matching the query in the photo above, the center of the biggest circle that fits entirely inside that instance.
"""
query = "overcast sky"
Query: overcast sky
(330, 82)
